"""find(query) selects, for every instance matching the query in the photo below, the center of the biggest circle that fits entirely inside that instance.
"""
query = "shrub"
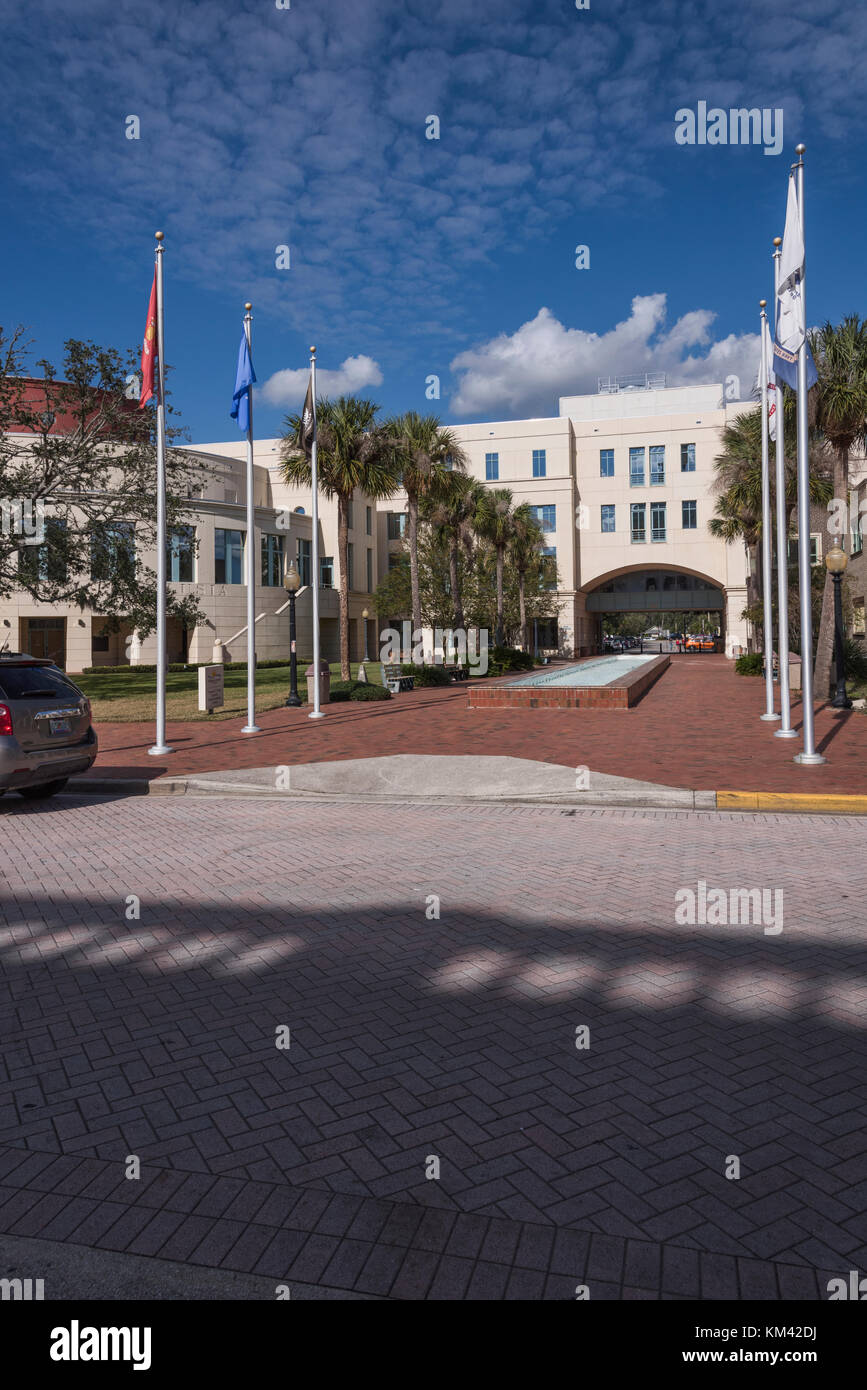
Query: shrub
(511, 659)
(426, 675)
(189, 666)
(357, 690)
(854, 659)
(750, 664)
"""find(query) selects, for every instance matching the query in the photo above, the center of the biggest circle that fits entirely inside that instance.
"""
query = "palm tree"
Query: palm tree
(524, 554)
(353, 452)
(739, 483)
(495, 522)
(450, 507)
(424, 453)
(841, 419)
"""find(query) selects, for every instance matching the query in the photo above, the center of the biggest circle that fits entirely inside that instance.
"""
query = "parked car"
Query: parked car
(46, 735)
(699, 642)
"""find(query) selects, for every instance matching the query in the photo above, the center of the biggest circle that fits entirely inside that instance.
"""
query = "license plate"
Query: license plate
(60, 726)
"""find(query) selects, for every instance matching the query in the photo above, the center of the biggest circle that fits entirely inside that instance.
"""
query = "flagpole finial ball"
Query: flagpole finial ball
(800, 149)
(762, 303)
(248, 306)
(159, 236)
(778, 241)
(313, 350)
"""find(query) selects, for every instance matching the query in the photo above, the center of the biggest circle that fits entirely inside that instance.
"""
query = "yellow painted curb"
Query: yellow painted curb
(792, 801)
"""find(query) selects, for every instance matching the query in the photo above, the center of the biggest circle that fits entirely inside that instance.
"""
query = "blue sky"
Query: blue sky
(410, 257)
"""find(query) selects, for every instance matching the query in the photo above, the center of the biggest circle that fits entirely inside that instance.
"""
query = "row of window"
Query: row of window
(606, 464)
(637, 463)
(638, 515)
(539, 464)
(113, 551)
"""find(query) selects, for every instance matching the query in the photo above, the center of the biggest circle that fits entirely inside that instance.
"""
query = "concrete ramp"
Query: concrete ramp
(430, 777)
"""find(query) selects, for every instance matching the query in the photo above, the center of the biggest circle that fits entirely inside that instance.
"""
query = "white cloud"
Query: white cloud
(523, 373)
(288, 387)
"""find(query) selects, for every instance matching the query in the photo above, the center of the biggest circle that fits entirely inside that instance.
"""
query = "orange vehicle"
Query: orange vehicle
(699, 642)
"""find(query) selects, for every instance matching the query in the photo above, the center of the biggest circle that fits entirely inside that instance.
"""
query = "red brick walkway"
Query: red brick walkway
(698, 727)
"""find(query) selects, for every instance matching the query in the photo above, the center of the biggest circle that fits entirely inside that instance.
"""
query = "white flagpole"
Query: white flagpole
(808, 754)
(160, 747)
(316, 712)
(767, 620)
(785, 730)
(251, 727)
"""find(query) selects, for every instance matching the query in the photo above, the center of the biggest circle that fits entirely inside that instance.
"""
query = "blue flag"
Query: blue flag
(244, 378)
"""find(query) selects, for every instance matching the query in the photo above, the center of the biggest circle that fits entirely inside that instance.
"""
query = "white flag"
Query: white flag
(791, 328)
(772, 383)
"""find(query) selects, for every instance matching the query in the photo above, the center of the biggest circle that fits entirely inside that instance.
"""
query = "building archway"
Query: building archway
(671, 591)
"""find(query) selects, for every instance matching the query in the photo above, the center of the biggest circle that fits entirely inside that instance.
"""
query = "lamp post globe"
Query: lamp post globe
(365, 615)
(836, 561)
(292, 583)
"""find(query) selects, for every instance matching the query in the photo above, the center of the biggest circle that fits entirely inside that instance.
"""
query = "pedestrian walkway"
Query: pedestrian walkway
(432, 965)
(697, 728)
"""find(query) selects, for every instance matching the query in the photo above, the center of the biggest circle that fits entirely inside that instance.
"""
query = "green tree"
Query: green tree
(424, 452)
(840, 412)
(495, 522)
(525, 555)
(449, 509)
(353, 451)
(95, 478)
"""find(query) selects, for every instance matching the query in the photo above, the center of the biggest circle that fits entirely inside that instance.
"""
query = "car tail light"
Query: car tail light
(5, 720)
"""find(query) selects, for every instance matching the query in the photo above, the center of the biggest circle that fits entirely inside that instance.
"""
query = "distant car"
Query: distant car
(46, 735)
(699, 642)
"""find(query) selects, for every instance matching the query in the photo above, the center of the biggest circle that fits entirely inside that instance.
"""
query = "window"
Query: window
(396, 523)
(368, 520)
(688, 516)
(687, 458)
(547, 634)
(857, 536)
(815, 550)
(657, 464)
(546, 515)
(112, 551)
(549, 566)
(350, 565)
(638, 510)
(46, 562)
(492, 467)
(272, 561)
(858, 617)
(606, 463)
(303, 561)
(657, 521)
(636, 468)
(369, 559)
(539, 464)
(326, 571)
(349, 520)
(608, 517)
(228, 557)
(179, 554)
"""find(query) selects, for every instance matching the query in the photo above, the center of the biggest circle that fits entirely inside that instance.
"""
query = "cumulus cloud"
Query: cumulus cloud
(523, 373)
(288, 387)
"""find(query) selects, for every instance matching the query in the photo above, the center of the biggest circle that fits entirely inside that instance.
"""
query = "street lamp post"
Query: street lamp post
(836, 561)
(365, 615)
(292, 583)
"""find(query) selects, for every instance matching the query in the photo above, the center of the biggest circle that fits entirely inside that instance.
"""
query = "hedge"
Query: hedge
(357, 690)
(180, 666)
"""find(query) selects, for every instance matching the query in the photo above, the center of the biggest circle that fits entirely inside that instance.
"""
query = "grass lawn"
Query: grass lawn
(130, 696)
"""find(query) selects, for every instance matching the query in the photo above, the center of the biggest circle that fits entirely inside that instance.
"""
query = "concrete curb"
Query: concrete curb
(665, 799)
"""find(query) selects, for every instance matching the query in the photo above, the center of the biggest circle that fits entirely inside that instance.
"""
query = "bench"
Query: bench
(459, 673)
(394, 679)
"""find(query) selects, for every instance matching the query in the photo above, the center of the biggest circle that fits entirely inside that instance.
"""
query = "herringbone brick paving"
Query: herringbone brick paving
(697, 727)
(455, 1037)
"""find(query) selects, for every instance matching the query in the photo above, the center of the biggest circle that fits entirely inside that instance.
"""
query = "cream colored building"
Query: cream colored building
(589, 472)
(622, 482)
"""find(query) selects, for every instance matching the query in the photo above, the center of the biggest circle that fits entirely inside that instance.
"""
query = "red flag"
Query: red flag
(148, 352)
